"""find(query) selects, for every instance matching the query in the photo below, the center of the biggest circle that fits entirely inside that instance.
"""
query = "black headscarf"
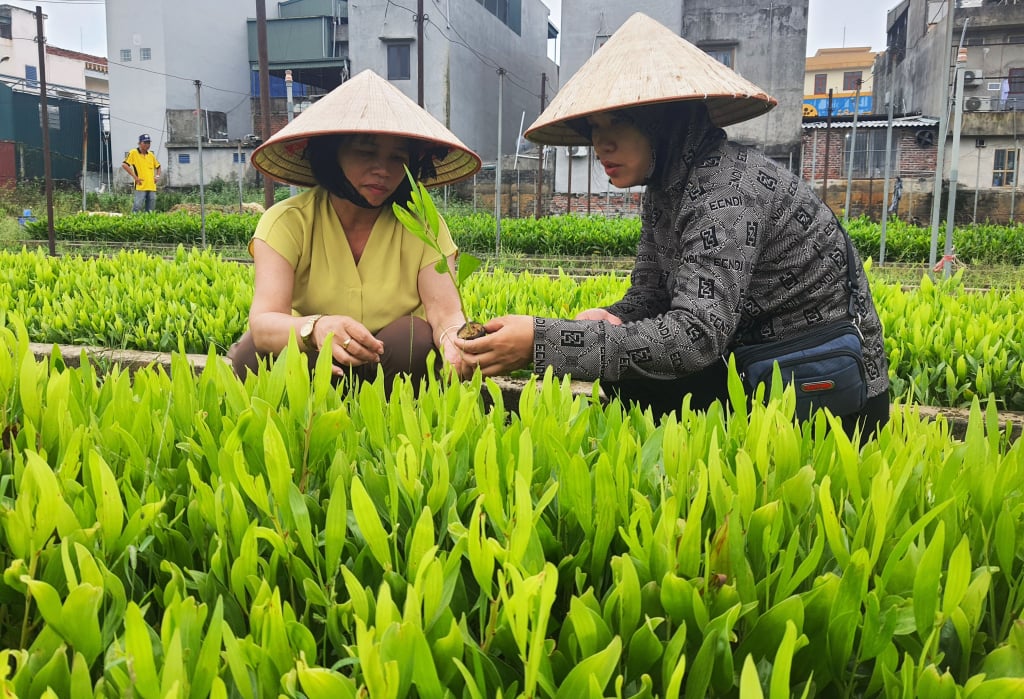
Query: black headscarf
(322, 153)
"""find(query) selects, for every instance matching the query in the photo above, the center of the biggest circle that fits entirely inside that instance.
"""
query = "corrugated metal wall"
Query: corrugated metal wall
(71, 123)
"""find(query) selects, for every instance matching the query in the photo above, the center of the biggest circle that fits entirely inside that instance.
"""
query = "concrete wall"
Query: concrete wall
(188, 40)
(918, 82)
(22, 52)
(769, 48)
(770, 52)
(462, 52)
(218, 164)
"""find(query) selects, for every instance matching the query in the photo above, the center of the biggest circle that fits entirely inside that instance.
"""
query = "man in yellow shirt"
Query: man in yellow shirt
(144, 169)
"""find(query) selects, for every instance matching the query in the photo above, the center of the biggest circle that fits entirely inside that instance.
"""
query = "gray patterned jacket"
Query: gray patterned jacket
(733, 250)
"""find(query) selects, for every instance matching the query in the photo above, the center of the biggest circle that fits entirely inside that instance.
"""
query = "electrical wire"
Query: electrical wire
(486, 60)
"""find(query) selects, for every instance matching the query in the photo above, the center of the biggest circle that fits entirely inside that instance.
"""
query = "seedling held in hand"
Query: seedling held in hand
(420, 217)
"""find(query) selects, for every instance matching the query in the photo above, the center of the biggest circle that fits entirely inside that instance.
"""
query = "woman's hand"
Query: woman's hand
(598, 314)
(508, 345)
(446, 343)
(351, 343)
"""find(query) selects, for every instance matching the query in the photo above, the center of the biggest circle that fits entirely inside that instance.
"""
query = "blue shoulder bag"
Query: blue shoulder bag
(825, 365)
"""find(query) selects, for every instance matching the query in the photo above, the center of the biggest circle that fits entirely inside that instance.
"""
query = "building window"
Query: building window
(32, 76)
(725, 56)
(851, 80)
(184, 158)
(1004, 165)
(52, 116)
(126, 55)
(239, 157)
(820, 83)
(145, 54)
(398, 61)
(1015, 39)
(869, 154)
(508, 11)
(5, 24)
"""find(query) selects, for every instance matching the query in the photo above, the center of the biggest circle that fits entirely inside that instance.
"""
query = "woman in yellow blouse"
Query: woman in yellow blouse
(332, 264)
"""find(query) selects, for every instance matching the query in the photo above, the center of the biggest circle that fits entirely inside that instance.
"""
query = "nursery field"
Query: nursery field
(946, 344)
(183, 534)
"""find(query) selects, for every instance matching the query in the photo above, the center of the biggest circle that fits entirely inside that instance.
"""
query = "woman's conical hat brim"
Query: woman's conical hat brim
(365, 104)
(644, 62)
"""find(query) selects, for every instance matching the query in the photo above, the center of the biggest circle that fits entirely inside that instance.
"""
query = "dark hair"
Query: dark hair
(322, 154)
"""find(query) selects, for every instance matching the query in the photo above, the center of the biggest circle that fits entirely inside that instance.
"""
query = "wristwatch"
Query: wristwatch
(306, 332)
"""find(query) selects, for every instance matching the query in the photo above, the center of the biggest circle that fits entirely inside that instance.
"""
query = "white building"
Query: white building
(158, 51)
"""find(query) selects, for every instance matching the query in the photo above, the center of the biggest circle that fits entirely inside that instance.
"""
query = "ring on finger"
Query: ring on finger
(344, 345)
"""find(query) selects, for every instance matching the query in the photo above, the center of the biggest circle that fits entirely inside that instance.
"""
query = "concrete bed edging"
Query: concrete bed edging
(510, 388)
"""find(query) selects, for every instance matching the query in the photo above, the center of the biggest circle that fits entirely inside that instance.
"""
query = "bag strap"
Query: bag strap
(851, 282)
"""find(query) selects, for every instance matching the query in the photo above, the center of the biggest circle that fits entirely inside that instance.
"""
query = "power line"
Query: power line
(486, 60)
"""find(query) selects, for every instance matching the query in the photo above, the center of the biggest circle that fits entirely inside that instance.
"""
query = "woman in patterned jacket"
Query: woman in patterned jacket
(734, 250)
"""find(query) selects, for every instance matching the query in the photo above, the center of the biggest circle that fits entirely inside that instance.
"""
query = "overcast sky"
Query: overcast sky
(78, 25)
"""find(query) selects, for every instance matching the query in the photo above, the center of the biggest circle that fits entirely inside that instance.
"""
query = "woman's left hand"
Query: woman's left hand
(508, 345)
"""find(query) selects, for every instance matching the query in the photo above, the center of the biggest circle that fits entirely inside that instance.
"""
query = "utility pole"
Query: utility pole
(419, 52)
(85, 155)
(199, 144)
(941, 140)
(44, 114)
(891, 93)
(290, 106)
(853, 151)
(497, 168)
(261, 41)
(828, 143)
(568, 198)
(590, 169)
(540, 151)
(954, 156)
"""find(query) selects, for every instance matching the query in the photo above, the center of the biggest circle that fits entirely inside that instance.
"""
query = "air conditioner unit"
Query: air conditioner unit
(972, 104)
(577, 151)
(973, 77)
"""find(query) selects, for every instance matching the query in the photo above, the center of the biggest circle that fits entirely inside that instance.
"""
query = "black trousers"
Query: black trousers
(407, 342)
(710, 384)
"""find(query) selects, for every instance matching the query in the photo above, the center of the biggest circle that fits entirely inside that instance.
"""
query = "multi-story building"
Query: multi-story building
(846, 74)
(166, 61)
(763, 42)
(846, 136)
(482, 63)
(923, 73)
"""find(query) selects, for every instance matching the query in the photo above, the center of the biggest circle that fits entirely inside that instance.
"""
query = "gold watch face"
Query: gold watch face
(306, 333)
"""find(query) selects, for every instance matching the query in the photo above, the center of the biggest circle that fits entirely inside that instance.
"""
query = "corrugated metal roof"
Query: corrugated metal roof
(862, 123)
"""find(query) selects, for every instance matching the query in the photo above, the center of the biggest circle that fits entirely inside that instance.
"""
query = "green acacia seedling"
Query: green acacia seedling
(420, 217)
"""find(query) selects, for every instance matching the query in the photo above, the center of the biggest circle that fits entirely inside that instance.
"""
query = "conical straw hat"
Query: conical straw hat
(366, 104)
(644, 62)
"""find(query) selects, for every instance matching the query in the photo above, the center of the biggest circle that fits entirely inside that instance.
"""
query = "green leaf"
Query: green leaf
(467, 264)
(370, 525)
(412, 224)
(599, 666)
(139, 649)
(750, 683)
(926, 583)
(958, 576)
(791, 643)
(335, 526)
(322, 683)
